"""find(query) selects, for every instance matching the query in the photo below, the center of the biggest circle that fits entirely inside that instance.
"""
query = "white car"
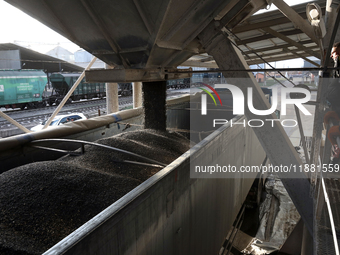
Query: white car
(60, 119)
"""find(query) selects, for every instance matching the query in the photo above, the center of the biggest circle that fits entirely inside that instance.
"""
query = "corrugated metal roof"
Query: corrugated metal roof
(21, 73)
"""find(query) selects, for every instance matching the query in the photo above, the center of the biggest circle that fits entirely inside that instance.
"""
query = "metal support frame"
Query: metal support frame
(134, 75)
(277, 47)
(274, 140)
(15, 123)
(292, 42)
(302, 134)
(267, 36)
(297, 112)
(321, 97)
(294, 52)
(144, 16)
(113, 44)
(199, 64)
(297, 20)
(332, 20)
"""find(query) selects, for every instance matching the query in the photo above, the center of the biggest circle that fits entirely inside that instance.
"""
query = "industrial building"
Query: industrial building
(220, 170)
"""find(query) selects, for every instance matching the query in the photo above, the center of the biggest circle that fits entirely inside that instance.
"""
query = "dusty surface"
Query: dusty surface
(43, 202)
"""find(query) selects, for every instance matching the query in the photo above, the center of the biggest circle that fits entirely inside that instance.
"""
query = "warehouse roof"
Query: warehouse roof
(34, 60)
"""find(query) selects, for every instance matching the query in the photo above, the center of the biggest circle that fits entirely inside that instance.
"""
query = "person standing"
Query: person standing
(333, 90)
(333, 101)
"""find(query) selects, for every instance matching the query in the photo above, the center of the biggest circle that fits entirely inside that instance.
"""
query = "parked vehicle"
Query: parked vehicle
(60, 120)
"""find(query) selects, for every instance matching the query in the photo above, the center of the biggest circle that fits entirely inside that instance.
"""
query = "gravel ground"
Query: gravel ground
(41, 203)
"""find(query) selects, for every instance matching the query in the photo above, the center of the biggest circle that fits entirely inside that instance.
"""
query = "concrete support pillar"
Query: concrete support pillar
(111, 96)
(137, 94)
(273, 139)
(154, 102)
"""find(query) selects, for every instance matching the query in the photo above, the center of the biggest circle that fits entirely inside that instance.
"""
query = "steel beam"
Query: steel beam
(297, 20)
(69, 93)
(132, 75)
(267, 36)
(274, 139)
(279, 47)
(292, 42)
(273, 59)
(15, 123)
(144, 16)
(256, 22)
(197, 63)
(101, 26)
(322, 89)
(283, 51)
(294, 52)
(267, 23)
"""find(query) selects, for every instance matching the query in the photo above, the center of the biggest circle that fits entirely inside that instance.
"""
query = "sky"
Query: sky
(20, 28)
(17, 27)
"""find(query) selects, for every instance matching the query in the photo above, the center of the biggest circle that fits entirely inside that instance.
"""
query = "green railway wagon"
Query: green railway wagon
(21, 88)
(62, 83)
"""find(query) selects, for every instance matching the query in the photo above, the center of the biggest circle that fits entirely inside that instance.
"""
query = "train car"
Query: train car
(21, 88)
(61, 84)
(196, 80)
(178, 83)
(125, 89)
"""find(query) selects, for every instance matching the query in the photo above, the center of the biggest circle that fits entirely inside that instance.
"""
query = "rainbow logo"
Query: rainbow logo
(213, 90)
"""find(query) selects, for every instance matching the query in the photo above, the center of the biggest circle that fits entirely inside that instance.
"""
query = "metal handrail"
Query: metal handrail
(329, 208)
(326, 155)
(98, 145)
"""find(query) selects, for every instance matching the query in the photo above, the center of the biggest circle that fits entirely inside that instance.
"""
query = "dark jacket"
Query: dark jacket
(333, 90)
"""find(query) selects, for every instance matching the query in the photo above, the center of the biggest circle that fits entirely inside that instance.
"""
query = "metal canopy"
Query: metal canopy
(34, 60)
(273, 36)
(137, 33)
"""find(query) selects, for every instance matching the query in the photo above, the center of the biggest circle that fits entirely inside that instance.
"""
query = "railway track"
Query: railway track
(91, 108)
(30, 118)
